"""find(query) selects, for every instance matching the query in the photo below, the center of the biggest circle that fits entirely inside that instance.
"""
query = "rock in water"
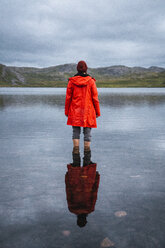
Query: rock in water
(120, 213)
(107, 243)
(66, 233)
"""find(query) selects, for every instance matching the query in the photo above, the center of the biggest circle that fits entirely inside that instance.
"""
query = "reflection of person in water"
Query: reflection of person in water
(82, 108)
(81, 188)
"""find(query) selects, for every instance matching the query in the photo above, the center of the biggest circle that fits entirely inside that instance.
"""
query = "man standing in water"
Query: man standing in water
(82, 108)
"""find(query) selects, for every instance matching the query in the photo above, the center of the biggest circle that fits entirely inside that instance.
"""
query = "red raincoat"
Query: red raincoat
(81, 188)
(82, 104)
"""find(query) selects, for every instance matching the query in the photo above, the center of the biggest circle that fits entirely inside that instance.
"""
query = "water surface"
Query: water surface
(128, 147)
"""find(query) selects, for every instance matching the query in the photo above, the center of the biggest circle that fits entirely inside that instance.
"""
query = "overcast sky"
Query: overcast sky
(44, 33)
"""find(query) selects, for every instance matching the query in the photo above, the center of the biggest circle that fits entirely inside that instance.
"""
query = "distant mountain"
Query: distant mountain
(31, 76)
(120, 70)
(25, 75)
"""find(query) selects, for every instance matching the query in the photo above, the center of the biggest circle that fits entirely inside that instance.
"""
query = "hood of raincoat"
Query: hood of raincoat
(80, 81)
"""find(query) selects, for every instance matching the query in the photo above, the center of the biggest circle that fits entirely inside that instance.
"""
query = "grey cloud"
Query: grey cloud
(43, 33)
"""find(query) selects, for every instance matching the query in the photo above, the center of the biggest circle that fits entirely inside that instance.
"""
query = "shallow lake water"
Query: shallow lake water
(128, 146)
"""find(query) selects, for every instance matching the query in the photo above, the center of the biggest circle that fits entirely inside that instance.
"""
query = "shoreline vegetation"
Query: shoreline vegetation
(106, 77)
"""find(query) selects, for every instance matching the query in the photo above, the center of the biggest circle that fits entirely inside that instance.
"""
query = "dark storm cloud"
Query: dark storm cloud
(43, 33)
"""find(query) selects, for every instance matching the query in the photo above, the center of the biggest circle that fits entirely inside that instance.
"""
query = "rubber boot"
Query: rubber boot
(76, 157)
(87, 156)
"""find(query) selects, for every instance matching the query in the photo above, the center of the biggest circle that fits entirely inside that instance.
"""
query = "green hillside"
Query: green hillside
(57, 76)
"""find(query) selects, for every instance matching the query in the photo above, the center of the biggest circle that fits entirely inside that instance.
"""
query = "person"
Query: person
(82, 108)
(82, 184)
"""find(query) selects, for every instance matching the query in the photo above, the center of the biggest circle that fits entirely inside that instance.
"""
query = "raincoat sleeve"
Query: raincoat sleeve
(95, 98)
(68, 98)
